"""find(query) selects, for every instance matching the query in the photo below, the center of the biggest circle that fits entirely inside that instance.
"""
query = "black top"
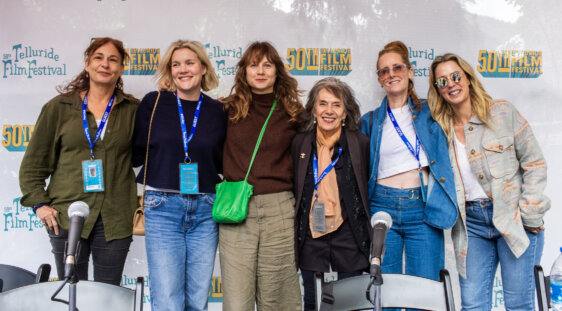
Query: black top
(166, 146)
(345, 249)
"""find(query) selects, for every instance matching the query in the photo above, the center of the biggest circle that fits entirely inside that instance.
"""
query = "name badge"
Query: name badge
(92, 173)
(189, 178)
(318, 217)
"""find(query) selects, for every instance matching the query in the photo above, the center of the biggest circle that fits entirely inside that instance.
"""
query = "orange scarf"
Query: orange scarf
(328, 192)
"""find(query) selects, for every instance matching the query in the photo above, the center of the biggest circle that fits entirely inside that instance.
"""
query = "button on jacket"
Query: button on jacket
(512, 171)
(441, 206)
(59, 146)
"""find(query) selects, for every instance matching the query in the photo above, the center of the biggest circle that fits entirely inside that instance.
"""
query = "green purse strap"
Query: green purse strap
(259, 139)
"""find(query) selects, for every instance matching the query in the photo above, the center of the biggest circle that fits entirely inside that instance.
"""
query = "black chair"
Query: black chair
(397, 291)
(542, 286)
(90, 296)
(14, 277)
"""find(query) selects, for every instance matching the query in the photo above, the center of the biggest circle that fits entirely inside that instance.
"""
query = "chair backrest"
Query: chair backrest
(542, 286)
(14, 277)
(89, 296)
(397, 291)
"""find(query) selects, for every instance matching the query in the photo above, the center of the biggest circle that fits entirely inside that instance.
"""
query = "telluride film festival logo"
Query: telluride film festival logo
(29, 61)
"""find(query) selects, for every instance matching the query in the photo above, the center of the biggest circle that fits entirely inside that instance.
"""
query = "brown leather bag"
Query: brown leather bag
(138, 218)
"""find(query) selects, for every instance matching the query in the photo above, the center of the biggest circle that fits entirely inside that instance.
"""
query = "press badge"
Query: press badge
(93, 175)
(189, 178)
(318, 217)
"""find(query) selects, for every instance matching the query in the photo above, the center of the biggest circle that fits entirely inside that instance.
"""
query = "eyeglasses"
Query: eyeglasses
(443, 82)
(397, 69)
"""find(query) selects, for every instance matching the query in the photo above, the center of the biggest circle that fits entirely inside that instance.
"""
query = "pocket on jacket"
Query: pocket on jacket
(500, 156)
(153, 199)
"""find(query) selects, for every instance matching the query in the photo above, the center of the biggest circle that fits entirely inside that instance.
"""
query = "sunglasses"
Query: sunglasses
(397, 69)
(443, 82)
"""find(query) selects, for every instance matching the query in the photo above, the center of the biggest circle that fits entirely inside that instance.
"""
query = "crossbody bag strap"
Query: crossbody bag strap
(147, 144)
(259, 139)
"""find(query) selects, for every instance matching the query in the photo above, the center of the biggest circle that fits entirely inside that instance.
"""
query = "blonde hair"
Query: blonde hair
(442, 111)
(164, 72)
(285, 88)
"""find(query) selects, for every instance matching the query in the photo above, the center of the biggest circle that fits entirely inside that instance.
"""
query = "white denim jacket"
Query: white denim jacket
(508, 162)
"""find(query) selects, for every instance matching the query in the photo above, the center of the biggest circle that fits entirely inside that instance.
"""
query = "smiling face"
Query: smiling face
(455, 93)
(261, 76)
(187, 73)
(329, 111)
(105, 65)
(394, 83)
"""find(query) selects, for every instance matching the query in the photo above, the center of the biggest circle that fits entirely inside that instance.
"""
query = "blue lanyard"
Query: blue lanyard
(326, 171)
(102, 123)
(415, 153)
(184, 137)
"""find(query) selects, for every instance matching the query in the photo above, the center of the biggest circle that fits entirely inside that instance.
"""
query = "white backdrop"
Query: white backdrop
(515, 43)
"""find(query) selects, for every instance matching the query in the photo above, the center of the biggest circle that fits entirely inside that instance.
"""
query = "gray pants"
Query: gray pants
(257, 257)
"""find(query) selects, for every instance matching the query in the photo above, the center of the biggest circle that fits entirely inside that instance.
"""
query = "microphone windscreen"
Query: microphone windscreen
(381, 217)
(78, 208)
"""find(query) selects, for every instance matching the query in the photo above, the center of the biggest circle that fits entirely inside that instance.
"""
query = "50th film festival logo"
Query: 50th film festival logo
(510, 64)
(319, 61)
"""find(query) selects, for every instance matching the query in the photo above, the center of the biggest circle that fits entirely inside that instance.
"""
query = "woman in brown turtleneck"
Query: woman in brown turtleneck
(332, 214)
(257, 256)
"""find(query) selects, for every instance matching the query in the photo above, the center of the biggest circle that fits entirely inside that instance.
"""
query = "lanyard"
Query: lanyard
(184, 137)
(102, 123)
(415, 153)
(326, 171)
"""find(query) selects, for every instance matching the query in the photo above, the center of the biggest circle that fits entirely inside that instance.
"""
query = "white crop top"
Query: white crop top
(395, 157)
(472, 188)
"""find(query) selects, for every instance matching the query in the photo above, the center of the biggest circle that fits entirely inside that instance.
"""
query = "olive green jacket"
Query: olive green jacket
(59, 146)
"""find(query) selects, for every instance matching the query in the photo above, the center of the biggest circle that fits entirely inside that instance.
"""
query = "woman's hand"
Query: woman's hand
(47, 215)
(534, 230)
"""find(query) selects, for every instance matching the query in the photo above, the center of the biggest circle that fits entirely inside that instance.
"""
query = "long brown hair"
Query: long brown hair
(82, 81)
(400, 48)
(285, 88)
(442, 111)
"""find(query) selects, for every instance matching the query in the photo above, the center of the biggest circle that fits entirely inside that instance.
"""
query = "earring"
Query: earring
(314, 120)
(87, 75)
(343, 122)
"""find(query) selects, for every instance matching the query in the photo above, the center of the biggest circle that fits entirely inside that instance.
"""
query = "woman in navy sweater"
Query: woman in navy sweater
(187, 130)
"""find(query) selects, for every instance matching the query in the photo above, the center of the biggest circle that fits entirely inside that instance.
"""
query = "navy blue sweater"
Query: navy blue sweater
(166, 147)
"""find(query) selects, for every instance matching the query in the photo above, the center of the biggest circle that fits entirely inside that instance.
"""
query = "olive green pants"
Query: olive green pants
(257, 257)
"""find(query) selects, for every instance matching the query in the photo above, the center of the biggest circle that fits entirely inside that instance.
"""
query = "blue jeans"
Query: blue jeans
(487, 247)
(424, 245)
(181, 243)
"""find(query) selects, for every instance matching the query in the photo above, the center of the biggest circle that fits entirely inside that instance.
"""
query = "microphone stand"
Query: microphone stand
(73, 280)
(376, 281)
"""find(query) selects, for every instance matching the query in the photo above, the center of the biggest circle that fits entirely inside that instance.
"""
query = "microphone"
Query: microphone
(77, 212)
(381, 222)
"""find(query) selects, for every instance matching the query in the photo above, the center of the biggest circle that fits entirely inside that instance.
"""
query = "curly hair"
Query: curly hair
(82, 81)
(343, 92)
(400, 48)
(440, 110)
(285, 88)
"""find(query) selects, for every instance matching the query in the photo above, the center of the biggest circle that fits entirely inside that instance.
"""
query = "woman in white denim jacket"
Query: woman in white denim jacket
(500, 176)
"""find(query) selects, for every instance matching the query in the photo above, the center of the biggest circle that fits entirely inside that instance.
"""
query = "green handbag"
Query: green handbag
(231, 202)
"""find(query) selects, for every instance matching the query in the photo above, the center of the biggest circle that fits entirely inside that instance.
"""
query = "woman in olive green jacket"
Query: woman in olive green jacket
(96, 169)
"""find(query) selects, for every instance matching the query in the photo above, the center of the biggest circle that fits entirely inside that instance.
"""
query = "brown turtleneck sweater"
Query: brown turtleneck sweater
(273, 166)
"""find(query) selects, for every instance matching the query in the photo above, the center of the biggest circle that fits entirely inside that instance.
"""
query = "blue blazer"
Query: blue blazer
(441, 206)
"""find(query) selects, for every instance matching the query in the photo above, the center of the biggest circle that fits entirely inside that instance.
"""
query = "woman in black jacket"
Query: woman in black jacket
(330, 158)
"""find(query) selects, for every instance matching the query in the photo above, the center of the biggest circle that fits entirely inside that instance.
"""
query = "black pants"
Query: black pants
(109, 257)
(308, 282)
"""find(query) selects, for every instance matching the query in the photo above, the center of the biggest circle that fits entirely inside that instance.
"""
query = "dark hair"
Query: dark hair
(343, 92)
(82, 81)
(285, 87)
(400, 48)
